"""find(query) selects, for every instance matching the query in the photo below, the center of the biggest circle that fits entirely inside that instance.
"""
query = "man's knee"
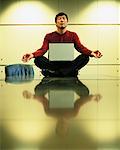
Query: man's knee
(41, 62)
(86, 58)
(38, 60)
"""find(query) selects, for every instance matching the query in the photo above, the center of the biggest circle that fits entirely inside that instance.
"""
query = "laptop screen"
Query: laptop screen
(61, 52)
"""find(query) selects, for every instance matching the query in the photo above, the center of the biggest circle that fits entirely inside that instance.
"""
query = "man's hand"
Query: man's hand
(27, 57)
(96, 54)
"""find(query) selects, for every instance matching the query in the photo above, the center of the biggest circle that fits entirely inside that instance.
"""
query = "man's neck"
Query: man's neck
(61, 31)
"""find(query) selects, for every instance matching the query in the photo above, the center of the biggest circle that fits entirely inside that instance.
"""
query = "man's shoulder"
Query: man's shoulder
(71, 32)
(51, 33)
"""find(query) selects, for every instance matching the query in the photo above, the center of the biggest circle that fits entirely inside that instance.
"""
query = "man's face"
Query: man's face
(61, 22)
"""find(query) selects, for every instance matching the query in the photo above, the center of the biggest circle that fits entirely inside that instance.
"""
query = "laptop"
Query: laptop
(61, 51)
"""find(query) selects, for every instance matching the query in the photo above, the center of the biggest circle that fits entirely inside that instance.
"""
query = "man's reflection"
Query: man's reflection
(62, 114)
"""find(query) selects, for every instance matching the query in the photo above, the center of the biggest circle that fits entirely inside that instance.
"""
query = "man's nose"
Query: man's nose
(62, 20)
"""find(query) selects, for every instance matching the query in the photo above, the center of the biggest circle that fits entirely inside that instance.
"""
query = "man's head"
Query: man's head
(61, 20)
(59, 15)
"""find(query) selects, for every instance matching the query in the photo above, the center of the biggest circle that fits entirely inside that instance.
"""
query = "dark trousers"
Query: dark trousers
(65, 67)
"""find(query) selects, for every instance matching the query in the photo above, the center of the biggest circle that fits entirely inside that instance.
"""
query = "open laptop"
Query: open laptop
(61, 51)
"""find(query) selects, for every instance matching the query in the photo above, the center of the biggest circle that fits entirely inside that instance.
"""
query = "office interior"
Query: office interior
(82, 113)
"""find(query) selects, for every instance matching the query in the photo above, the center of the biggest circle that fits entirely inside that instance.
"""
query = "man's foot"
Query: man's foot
(51, 73)
(45, 72)
(55, 73)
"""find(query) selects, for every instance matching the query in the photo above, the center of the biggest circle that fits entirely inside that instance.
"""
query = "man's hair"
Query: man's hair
(60, 14)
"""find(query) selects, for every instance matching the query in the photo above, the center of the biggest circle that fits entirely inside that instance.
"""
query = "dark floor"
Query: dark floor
(67, 114)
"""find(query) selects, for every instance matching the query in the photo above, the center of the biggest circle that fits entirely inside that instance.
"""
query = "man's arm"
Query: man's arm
(43, 49)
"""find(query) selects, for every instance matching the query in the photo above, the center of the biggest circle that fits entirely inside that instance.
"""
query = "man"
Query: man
(61, 35)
